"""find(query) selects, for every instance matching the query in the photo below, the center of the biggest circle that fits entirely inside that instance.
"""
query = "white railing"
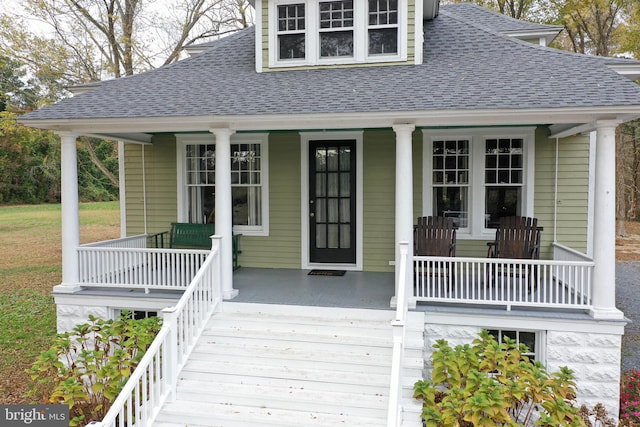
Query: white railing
(137, 241)
(507, 282)
(154, 380)
(394, 413)
(565, 253)
(138, 267)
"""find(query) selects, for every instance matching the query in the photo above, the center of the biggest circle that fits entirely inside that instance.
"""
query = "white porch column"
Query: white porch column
(604, 238)
(223, 215)
(404, 194)
(70, 212)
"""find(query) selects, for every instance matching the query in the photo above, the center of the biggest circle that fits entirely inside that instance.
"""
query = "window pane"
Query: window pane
(501, 202)
(345, 236)
(333, 188)
(332, 159)
(246, 192)
(332, 236)
(321, 236)
(451, 202)
(345, 184)
(291, 46)
(332, 211)
(345, 210)
(335, 44)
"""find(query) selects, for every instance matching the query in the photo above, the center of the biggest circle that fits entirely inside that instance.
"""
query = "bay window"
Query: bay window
(316, 32)
(478, 178)
(248, 182)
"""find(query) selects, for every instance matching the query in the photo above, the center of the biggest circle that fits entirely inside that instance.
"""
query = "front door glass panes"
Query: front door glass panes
(291, 31)
(383, 27)
(504, 172)
(451, 180)
(333, 203)
(336, 28)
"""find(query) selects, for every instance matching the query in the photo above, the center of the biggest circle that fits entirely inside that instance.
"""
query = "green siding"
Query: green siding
(378, 195)
(281, 249)
(573, 187)
(161, 185)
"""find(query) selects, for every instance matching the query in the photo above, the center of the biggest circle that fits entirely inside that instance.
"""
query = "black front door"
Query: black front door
(332, 202)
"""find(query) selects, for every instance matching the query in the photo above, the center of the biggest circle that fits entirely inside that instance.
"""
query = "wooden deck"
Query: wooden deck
(356, 289)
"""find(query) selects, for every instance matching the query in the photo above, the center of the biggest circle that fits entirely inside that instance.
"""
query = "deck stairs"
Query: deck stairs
(273, 365)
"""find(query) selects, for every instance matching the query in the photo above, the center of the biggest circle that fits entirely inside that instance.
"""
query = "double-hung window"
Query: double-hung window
(478, 178)
(291, 31)
(248, 182)
(326, 32)
(382, 28)
(336, 28)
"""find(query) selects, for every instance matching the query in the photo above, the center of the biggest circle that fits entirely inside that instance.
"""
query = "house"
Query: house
(320, 135)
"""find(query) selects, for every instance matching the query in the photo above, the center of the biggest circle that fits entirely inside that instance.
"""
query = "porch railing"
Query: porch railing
(154, 380)
(394, 414)
(506, 282)
(127, 263)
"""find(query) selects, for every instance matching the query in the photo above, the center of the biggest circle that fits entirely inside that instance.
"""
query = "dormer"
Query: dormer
(293, 34)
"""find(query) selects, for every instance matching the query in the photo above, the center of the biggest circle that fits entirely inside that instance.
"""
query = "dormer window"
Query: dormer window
(383, 27)
(319, 32)
(336, 28)
(291, 31)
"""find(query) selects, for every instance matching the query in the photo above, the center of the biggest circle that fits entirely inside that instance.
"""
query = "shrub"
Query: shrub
(630, 399)
(87, 367)
(487, 383)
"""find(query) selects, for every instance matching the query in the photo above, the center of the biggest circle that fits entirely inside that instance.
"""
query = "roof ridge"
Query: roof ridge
(529, 45)
(522, 22)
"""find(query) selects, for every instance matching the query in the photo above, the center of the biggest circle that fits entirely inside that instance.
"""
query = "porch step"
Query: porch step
(269, 365)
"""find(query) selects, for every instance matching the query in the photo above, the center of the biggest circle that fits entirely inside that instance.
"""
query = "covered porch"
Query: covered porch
(564, 283)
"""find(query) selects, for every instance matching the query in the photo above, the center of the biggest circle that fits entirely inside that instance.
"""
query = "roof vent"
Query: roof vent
(430, 9)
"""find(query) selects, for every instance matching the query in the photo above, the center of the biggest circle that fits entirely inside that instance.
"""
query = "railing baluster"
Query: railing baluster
(504, 282)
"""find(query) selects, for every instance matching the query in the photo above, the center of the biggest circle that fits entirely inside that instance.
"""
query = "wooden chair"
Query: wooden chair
(434, 236)
(517, 237)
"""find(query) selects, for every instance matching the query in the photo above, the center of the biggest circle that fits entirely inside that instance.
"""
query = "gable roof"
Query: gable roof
(467, 66)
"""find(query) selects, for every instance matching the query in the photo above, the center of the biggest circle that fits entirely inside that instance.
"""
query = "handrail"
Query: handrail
(394, 412)
(154, 380)
(506, 282)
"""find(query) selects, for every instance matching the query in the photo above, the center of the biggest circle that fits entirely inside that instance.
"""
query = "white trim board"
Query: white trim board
(305, 137)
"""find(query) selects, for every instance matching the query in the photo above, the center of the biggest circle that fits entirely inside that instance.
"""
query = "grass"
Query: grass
(30, 265)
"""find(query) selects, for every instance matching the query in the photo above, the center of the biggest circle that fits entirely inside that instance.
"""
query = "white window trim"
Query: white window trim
(477, 137)
(257, 138)
(312, 39)
(305, 137)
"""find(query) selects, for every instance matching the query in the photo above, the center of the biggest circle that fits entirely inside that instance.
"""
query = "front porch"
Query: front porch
(128, 267)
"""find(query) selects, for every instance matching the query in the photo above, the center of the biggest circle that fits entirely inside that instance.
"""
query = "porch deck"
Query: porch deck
(356, 289)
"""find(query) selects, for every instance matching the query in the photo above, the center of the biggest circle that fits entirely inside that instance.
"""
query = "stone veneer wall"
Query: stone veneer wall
(71, 315)
(594, 358)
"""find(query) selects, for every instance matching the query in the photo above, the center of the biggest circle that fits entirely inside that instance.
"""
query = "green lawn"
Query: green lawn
(30, 260)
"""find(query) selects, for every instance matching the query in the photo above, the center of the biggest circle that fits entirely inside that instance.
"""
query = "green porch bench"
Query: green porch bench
(188, 235)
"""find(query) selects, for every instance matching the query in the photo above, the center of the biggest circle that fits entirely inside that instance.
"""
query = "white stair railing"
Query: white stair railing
(154, 380)
(394, 414)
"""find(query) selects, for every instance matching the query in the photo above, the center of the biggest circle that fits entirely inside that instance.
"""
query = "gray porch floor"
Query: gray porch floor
(356, 289)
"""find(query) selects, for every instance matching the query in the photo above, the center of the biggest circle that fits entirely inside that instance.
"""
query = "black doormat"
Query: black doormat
(327, 272)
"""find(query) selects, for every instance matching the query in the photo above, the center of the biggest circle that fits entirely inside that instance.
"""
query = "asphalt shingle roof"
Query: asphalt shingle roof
(468, 64)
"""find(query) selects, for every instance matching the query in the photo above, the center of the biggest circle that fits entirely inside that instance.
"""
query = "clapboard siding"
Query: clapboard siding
(281, 248)
(159, 171)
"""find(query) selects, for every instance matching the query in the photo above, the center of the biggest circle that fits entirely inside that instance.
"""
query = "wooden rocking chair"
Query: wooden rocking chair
(434, 236)
(516, 238)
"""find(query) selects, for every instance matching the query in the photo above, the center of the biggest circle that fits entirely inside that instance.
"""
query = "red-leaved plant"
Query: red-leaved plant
(630, 399)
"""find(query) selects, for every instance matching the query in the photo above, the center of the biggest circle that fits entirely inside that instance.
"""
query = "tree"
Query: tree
(591, 27)
(93, 40)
